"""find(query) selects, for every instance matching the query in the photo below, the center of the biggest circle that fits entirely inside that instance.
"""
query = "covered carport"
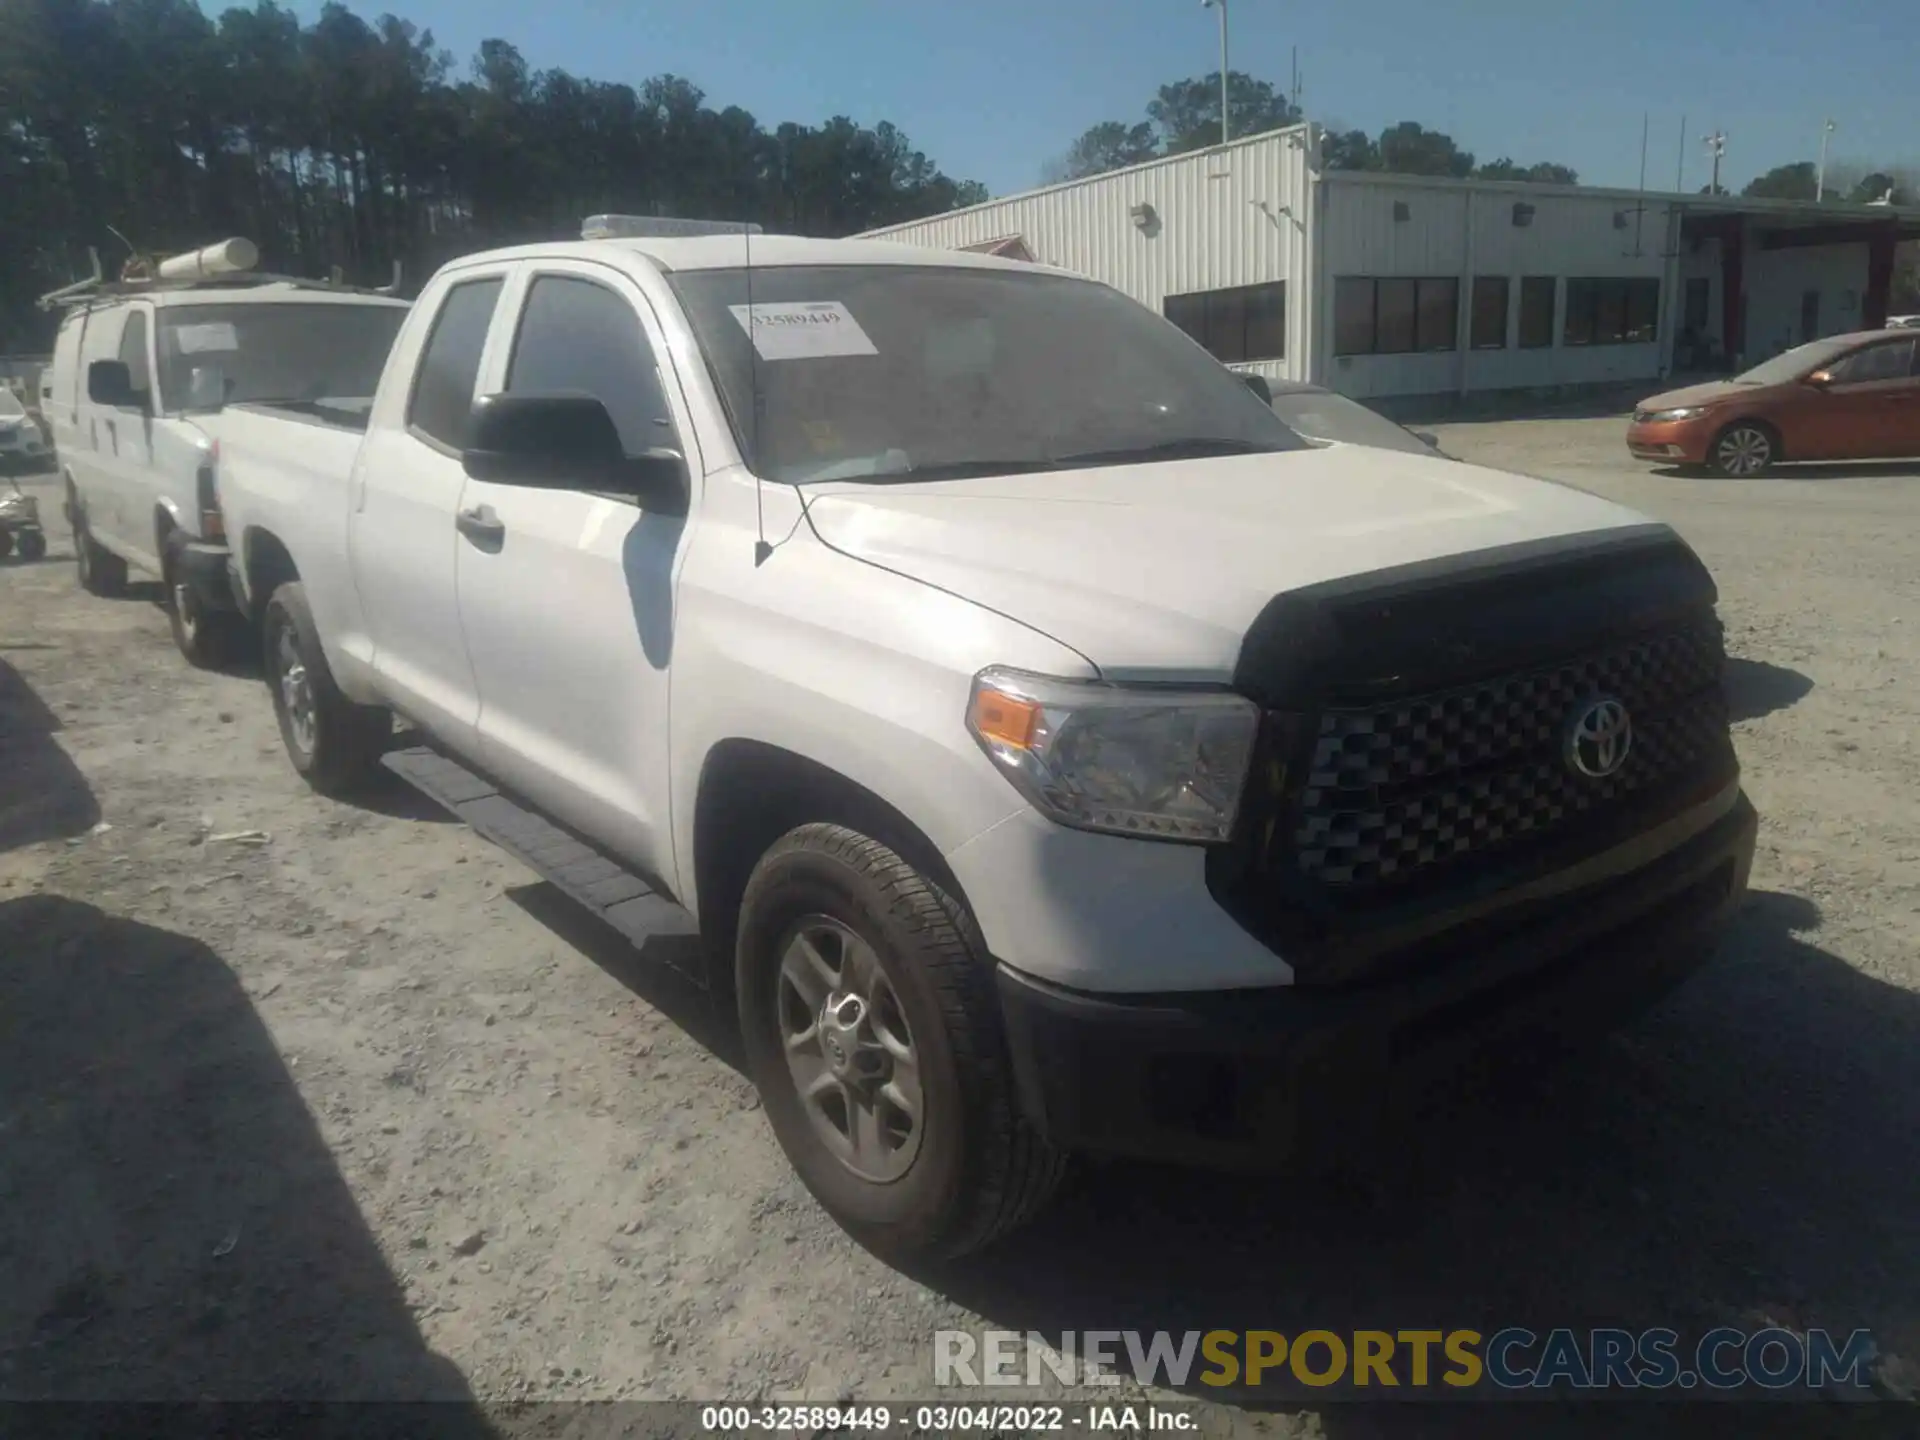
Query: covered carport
(1752, 278)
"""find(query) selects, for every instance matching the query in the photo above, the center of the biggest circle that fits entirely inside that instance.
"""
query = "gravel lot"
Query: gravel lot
(302, 1098)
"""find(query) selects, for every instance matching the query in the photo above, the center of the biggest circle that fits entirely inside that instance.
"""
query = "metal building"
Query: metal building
(1396, 285)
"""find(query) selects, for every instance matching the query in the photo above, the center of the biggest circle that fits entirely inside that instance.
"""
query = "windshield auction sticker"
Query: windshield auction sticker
(803, 330)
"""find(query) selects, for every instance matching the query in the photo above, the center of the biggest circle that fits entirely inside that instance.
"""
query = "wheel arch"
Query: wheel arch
(265, 565)
(750, 793)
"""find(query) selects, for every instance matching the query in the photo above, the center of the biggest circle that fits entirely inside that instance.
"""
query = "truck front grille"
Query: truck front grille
(1396, 790)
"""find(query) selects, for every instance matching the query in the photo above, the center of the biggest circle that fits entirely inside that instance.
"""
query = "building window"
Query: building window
(1612, 312)
(1489, 312)
(1245, 323)
(1395, 315)
(1536, 311)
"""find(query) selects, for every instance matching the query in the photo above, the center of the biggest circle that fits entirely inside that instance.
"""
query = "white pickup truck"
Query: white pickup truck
(1053, 750)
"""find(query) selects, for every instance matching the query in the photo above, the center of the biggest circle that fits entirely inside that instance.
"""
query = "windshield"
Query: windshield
(214, 355)
(895, 372)
(1327, 416)
(10, 406)
(1794, 363)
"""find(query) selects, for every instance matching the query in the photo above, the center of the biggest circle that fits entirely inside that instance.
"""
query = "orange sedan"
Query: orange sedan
(1849, 397)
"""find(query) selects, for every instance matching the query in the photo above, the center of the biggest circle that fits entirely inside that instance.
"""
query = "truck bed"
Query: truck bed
(341, 414)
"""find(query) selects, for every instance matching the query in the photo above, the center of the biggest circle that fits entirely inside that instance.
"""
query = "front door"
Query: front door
(566, 598)
(1866, 412)
(407, 490)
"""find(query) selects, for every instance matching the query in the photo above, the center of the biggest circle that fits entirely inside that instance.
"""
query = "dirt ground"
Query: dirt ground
(307, 1099)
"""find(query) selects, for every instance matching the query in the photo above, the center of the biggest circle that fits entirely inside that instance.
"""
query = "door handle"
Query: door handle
(481, 526)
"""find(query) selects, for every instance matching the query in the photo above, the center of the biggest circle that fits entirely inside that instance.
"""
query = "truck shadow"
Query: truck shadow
(43, 795)
(1744, 1151)
(1755, 688)
(663, 973)
(172, 1224)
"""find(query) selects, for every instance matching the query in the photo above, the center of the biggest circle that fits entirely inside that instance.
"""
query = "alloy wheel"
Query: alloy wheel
(849, 1051)
(1744, 451)
(296, 691)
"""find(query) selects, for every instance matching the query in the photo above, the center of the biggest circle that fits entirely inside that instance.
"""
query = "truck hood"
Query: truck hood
(1157, 570)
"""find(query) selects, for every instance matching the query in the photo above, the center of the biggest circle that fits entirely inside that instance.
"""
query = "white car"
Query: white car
(140, 376)
(23, 450)
(1052, 750)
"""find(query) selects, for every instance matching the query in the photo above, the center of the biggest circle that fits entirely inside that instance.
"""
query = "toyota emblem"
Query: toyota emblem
(1599, 734)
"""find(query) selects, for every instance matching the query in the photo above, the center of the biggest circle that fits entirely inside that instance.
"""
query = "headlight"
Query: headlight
(1157, 763)
(1683, 412)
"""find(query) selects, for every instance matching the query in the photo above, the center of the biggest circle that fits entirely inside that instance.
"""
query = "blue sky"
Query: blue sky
(992, 89)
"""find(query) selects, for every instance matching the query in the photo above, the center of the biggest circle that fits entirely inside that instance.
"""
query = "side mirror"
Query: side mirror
(1258, 384)
(110, 382)
(1426, 437)
(567, 442)
(1820, 379)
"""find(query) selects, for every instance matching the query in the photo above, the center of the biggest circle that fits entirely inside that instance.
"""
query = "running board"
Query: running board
(619, 897)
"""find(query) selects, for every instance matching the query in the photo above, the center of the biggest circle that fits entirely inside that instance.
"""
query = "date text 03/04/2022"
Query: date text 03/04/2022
(944, 1419)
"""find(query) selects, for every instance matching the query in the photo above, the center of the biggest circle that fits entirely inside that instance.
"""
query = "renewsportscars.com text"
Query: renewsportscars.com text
(1510, 1359)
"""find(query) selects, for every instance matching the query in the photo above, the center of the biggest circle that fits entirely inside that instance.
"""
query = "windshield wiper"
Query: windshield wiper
(1193, 447)
(951, 470)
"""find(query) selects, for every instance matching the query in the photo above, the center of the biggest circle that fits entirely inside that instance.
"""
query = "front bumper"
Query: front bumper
(202, 564)
(1677, 442)
(1245, 1079)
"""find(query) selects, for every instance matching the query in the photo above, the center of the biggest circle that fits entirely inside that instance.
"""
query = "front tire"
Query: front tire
(208, 639)
(333, 743)
(101, 572)
(1744, 450)
(873, 1036)
(33, 545)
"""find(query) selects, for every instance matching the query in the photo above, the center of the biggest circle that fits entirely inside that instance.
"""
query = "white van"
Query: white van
(140, 374)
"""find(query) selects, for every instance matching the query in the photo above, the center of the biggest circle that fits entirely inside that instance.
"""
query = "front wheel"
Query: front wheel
(101, 571)
(1743, 450)
(333, 743)
(873, 1036)
(207, 638)
(33, 545)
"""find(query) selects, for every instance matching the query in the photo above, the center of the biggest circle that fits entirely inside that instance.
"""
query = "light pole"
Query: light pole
(1221, 6)
(1716, 144)
(1820, 175)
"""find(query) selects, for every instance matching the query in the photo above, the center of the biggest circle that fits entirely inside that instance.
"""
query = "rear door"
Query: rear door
(567, 599)
(1865, 413)
(407, 488)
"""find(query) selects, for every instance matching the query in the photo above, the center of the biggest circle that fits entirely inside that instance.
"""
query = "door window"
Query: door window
(581, 338)
(1890, 361)
(442, 400)
(133, 352)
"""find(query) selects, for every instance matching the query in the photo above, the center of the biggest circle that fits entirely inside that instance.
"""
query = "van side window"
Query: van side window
(442, 399)
(133, 352)
(581, 337)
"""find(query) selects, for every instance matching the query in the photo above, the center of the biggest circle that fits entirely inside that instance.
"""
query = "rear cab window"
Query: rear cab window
(441, 404)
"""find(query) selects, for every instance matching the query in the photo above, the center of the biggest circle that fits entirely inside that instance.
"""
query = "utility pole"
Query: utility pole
(1221, 6)
(1820, 175)
(1680, 170)
(1716, 144)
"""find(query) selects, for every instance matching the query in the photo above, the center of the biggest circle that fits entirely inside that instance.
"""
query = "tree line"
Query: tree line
(356, 145)
(1185, 116)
